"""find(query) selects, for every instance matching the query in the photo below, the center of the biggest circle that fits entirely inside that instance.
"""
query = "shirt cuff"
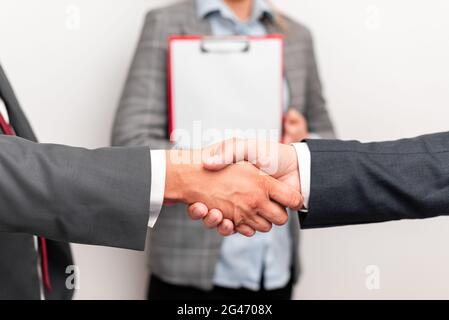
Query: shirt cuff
(157, 185)
(304, 166)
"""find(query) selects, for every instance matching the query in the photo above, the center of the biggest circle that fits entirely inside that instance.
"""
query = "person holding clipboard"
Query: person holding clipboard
(186, 261)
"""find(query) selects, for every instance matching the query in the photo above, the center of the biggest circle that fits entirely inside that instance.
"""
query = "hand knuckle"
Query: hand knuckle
(266, 228)
(252, 202)
(282, 219)
(238, 219)
(295, 199)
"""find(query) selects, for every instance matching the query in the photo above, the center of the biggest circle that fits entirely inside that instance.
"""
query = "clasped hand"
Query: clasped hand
(236, 186)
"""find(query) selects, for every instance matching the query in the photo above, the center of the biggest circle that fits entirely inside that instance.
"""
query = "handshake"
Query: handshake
(237, 185)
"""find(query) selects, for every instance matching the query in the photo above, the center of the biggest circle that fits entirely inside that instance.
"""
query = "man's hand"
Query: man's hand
(238, 193)
(278, 160)
(275, 159)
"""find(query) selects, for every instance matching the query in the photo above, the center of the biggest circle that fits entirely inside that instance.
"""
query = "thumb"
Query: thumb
(214, 163)
(224, 153)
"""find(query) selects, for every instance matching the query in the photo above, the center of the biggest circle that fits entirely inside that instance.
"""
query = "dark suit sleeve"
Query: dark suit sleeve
(98, 197)
(355, 183)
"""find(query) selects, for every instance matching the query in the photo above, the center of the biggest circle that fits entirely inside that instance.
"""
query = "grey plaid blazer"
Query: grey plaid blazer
(181, 251)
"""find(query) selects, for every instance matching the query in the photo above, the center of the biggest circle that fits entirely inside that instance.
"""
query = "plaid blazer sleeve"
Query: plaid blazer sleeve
(141, 118)
(316, 111)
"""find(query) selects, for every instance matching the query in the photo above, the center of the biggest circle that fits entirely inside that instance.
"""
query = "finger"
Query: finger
(295, 133)
(259, 223)
(213, 219)
(197, 211)
(284, 194)
(295, 123)
(293, 116)
(274, 213)
(291, 129)
(226, 228)
(286, 138)
(245, 230)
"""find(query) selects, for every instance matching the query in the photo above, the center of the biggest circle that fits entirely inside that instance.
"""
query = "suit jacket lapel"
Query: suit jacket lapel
(17, 118)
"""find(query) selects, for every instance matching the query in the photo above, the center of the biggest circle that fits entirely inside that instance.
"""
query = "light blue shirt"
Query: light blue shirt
(243, 260)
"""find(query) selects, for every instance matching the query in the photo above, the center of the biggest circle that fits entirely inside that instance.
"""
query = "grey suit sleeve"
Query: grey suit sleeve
(141, 118)
(98, 197)
(355, 183)
(316, 112)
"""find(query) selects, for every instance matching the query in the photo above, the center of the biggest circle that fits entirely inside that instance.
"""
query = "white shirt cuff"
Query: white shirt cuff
(158, 168)
(304, 166)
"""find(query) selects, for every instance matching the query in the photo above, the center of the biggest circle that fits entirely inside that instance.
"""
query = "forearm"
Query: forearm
(98, 197)
(353, 183)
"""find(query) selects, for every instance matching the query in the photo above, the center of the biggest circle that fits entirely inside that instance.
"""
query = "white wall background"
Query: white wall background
(386, 74)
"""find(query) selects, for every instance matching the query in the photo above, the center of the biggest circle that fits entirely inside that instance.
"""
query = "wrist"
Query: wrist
(182, 166)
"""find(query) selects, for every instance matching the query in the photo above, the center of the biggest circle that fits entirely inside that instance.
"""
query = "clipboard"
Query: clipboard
(224, 87)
